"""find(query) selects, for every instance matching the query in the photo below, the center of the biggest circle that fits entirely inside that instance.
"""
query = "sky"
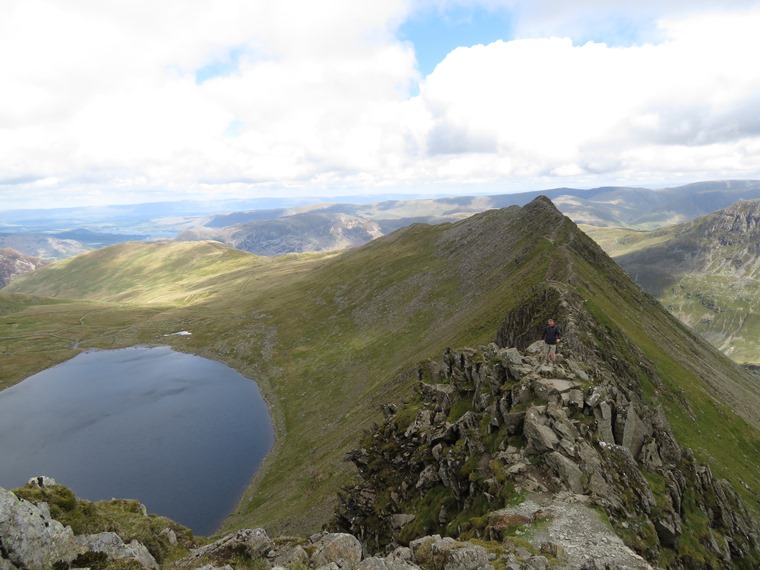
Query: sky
(124, 101)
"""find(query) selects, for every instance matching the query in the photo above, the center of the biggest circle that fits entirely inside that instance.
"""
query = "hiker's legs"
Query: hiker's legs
(553, 352)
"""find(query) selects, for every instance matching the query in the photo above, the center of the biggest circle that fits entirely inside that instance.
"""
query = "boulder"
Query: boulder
(450, 554)
(339, 548)
(401, 520)
(253, 543)
(539, 438)
(514, 422)
(634, 431)
(289, 557)
(543, 387)
(111, 544)
(30, 538)
(603, 415)
(568, 471)
(421, 548)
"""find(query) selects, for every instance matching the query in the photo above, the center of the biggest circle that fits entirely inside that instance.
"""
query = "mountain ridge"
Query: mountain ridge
(332, 339)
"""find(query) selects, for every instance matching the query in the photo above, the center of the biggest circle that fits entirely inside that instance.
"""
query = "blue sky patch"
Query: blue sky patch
(234, 129)
(435, 33)
(225, 65)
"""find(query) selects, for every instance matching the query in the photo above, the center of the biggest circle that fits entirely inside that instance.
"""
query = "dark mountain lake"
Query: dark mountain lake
(182, 434)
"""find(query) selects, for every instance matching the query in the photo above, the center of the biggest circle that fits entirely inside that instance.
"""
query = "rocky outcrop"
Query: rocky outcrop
(31, 539)
(14, 264)
(337, 551)
(492, 426)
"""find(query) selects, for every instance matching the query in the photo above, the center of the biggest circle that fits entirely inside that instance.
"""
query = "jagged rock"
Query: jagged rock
(649, 455)
(441, 394)
(596, 396)
(421, 422)
(30, 539)
(252, 543)
(463, 464)
(603, 415)
(342, 549)
(567, 470)
(668, 530)
(447, 433)
(401, 520)
(514, 422)
(543, 387)
(578, 371)
(573, 398)
(469, 421)
(511, 356)
(291, 556)
(633, 432)
(540, 438)
(402, 554)
(521, 393)
(114, 547)
(428, 478)
(170, 536)
(535, 347)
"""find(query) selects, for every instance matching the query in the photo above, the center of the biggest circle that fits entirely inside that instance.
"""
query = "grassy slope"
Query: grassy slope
(710, 402)
(330, 338)
(324, 344)
(714, 298)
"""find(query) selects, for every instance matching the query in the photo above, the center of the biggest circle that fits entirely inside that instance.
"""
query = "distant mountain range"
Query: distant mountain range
(273, 227)
(609, 206)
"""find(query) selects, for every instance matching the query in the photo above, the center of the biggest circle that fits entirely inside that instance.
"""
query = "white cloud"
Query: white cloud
(104, 95)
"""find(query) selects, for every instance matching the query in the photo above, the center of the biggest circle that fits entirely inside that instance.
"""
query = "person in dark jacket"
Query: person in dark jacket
(551, 338)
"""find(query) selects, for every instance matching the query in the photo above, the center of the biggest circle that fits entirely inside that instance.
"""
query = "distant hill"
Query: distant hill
(14, 264)
(706, 272)
(292, 234)
(42, 245)
(333, 340)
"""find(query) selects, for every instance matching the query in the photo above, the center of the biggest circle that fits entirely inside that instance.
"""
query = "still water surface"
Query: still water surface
(182, 434)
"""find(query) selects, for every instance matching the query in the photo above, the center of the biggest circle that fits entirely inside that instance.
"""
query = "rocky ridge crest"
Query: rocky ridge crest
(492, 427)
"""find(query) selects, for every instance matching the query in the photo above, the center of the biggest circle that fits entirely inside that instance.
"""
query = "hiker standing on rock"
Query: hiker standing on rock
(551, 338)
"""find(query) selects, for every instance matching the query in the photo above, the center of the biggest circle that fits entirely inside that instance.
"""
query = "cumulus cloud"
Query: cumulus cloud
(233, 97)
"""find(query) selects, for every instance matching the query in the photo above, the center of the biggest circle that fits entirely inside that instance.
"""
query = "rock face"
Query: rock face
(30, 538)
(14, 264)
(509, 428)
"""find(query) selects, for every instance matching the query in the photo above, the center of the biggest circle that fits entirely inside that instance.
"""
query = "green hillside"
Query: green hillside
(331, 338)
(705, 272)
